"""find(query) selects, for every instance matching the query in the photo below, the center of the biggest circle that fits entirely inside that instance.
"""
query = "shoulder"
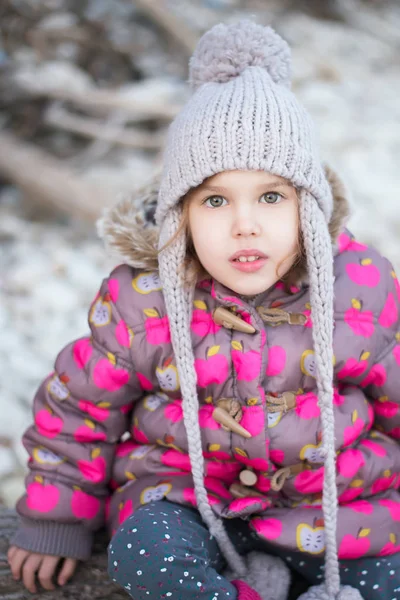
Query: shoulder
(366, 291)
(134, 291)
(364, 278)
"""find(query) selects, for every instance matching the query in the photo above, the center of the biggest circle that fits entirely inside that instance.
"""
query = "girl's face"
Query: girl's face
(244, 226)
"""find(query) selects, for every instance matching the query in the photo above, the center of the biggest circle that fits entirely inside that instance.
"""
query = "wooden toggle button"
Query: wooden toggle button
(248, 477)
(221, 416)
(224, 317)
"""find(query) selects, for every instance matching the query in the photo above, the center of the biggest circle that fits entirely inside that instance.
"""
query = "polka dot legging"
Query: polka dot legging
(164, 550)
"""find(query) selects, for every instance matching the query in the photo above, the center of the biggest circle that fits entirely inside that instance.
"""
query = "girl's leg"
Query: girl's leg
(164, 550)
(377, 578)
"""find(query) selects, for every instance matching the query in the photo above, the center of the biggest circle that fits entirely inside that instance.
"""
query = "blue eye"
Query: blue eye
(215, 201)
(272, 197)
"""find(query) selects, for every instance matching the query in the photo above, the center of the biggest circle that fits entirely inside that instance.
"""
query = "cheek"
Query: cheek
(206, 235)
(286, 233)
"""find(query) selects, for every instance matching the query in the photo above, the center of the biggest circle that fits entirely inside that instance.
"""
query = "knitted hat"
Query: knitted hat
(243, 116)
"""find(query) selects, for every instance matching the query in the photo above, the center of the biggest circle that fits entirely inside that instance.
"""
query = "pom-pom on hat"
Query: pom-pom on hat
(243, 116)
(225, 52)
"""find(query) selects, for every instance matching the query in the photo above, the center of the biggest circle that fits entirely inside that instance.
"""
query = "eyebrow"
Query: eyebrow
(263, 186)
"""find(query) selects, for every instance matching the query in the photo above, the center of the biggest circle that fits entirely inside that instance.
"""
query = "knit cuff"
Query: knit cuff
(245, 592)
(49, 537)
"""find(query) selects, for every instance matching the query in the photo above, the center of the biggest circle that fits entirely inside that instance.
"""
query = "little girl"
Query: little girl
(254, 360)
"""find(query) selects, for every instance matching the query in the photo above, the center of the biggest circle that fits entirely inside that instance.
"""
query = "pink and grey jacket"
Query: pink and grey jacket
(108, 433)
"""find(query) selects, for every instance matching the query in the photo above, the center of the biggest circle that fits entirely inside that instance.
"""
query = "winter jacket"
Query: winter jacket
(108, 433)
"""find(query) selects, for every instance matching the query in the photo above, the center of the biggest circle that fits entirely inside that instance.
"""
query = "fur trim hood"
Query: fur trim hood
(129, 232)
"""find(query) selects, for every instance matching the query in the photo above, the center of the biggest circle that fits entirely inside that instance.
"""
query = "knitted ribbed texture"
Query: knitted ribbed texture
(319, 592)
(267, 575)
(243, 116)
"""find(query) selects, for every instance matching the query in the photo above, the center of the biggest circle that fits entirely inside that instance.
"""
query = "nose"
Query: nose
(246, 224)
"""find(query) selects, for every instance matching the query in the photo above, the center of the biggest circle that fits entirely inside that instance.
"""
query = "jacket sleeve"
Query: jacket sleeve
(382, 383)
(80, 412)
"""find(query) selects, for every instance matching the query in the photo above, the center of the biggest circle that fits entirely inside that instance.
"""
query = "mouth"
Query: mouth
(248, 261)
(250, 255)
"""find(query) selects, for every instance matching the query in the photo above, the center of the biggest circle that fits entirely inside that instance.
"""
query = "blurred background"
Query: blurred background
(87, 89)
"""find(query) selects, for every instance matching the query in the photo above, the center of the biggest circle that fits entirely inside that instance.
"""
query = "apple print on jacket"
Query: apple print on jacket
(124, 334)
(307, 363)
(47, 423)
(42, 497)
(107, 376)
(388, 480)
(247, 364)
(140, 451)
(202, 321)
(87, 433)
(349, 462)
(354, 367)
(361, 322)
(355, 547)
(125, 510)
(312, 453)
(307, 313)
(307, 406)
(276, 361)
(98, 412)
(393, 507)
(168, 377)
(94, 470)
(271, 529)
(364, 273)
(82, 351)
(310, 481)
(84, 506)
(376, 376)
(384, 408)
(273, 419)
(46, 457)
(389, 314)
(154, 493)
(354, 490)
(154, 401)
(390, 547)
(345, 242)
(57, 388)
(311, 539)
(157, 328)
(147, 283)
(100, 314)
(214, 369)
(352, 432)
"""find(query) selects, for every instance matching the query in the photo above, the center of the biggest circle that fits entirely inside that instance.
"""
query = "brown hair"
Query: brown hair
(194, 270)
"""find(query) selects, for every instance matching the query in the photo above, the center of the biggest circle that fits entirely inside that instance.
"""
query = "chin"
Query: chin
(245, 287)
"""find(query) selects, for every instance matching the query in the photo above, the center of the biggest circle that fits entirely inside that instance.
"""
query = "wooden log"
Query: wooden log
(104, 101)
(94, 128)
(158, 12)
(48, 181)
